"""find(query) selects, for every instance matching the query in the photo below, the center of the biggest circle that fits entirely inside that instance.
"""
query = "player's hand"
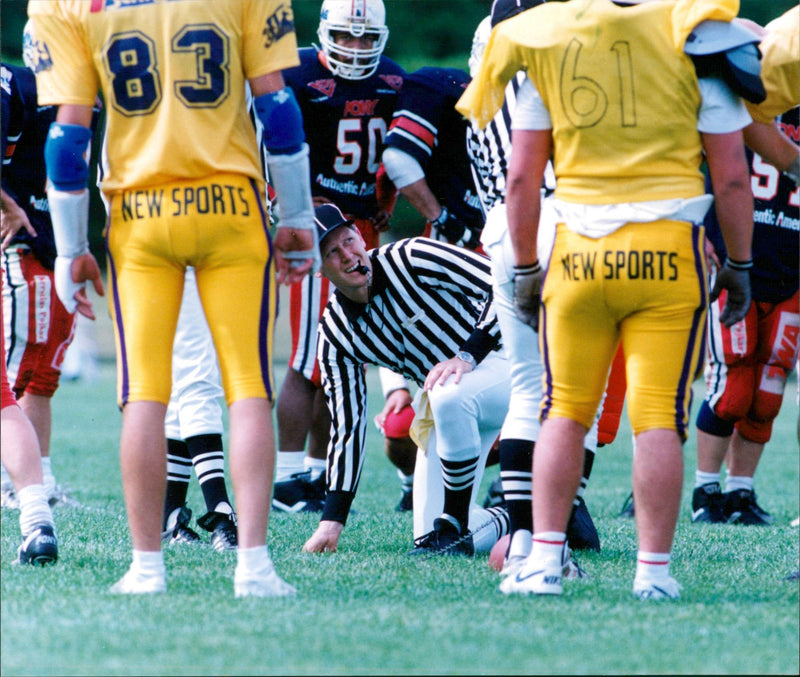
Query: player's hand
(325, 538)
(711, 254)
(442, 371)
(380, 222)
(291, 270)
(396, 401)
(71, 276)
(528, 293)
(734, 278)
(13, 219)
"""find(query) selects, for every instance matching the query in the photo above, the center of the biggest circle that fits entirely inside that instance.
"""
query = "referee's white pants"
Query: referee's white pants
(468, 417)
(194, 405)
(520, 341)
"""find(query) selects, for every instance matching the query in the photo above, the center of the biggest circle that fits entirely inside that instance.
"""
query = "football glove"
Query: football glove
(734, 277)
(528, 293)
(448, 227)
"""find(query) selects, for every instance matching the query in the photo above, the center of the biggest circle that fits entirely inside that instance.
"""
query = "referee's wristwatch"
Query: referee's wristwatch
(464, 356)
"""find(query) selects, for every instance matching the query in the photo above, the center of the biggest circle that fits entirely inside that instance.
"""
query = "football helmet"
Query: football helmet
(479, 41)
(359, 18)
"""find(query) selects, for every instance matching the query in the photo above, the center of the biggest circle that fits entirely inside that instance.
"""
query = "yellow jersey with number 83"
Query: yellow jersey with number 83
(173, 76)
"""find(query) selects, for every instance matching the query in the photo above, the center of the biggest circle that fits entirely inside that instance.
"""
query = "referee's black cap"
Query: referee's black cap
(328, 218)
(505, 9)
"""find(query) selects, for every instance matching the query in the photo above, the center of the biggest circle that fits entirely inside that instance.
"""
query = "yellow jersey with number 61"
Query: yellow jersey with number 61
(623, 98)
(173, 76)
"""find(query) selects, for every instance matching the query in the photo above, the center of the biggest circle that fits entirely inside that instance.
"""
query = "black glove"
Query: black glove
(528, 293)
(735, 278)
(448, 227)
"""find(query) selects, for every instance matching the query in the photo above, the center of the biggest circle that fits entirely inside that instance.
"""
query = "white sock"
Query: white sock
(149, 562)
(652, 566)
(548, 547)
(701, 478)
(48, 478)
(252, 561)
(287, 463)
(33, 508)
(315, 465)
(734, 482)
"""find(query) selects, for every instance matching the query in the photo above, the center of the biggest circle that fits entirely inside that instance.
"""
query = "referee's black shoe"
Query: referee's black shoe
(299, 493)
(445, 539)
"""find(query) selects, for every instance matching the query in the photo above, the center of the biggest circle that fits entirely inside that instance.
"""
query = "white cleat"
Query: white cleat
(264, 584)
(136, 583)
(533, 579)
(512, 565)
(662, 589)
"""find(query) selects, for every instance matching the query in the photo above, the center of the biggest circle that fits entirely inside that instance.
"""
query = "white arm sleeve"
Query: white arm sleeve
(391, 381)
(530, 112)
(401, 168)
(721, 111)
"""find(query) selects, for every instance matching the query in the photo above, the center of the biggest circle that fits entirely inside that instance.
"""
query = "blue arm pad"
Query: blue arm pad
(280, 114)
(64, 153)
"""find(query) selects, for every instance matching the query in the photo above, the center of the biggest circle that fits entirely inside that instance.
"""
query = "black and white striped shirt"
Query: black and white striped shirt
(428, 300)
(489, 150)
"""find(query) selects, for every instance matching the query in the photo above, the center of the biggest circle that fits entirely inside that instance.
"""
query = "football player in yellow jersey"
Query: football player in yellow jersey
(184, 187)
(613, 97)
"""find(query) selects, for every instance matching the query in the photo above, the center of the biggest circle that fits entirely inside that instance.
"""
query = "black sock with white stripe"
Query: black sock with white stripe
(516, 457)
(458, 477)
(209, 465)
(588, 463)
(179, 472)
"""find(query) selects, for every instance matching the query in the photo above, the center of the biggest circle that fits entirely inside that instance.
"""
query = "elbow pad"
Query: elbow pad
(65, 154)
(280, 115)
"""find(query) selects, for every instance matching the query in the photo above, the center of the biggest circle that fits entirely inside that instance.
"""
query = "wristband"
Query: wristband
(739, 265)
(528, 269)
(441, 219)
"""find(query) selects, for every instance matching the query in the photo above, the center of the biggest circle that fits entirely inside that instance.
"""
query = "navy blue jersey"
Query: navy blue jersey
(25, 127)
(24, 132)
(346, 122)
(427, 127)
(776, 225)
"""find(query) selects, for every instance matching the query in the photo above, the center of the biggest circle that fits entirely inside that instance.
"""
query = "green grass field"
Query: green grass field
(372, 610)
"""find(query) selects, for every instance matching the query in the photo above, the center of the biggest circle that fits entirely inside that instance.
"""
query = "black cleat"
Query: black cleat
(494, 495)
(707, 504)
(40, 547)
(223, 530)
(181, 532)
(445, 539)
(581, 532)
(740, 507)
(299, 493)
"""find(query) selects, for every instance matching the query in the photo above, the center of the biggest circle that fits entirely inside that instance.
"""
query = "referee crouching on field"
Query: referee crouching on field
(423, 309)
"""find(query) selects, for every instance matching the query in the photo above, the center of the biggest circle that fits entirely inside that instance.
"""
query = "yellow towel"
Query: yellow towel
(422, 425)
